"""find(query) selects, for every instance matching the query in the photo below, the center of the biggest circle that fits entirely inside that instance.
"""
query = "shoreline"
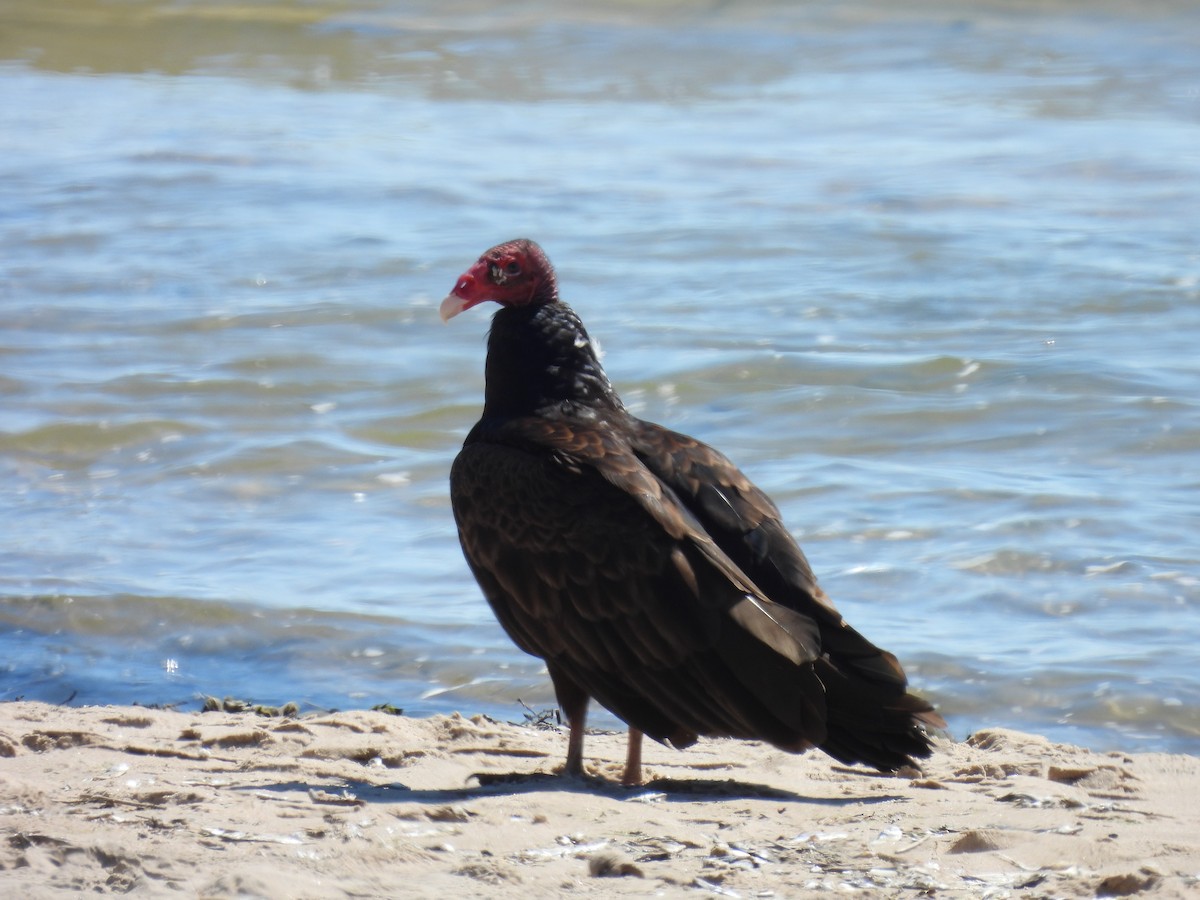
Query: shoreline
(361, 803)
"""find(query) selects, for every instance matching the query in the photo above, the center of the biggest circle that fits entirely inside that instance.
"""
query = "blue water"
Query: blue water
(931, 276)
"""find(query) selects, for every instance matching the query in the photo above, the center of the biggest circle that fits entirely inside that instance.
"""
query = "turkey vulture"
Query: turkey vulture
(642, 565)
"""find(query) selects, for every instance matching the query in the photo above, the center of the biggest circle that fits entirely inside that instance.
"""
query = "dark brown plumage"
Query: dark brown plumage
(642, 565)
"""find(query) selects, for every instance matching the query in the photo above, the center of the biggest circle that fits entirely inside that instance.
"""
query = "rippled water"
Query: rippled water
(932, 277)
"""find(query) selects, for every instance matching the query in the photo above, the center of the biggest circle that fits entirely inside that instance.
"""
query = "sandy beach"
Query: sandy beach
(367, 804)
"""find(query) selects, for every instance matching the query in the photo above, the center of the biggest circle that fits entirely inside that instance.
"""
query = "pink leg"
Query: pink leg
(633, 758)
(574, 764)
(573, 702)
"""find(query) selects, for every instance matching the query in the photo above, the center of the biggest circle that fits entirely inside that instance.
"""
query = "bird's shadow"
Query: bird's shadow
(491, 784)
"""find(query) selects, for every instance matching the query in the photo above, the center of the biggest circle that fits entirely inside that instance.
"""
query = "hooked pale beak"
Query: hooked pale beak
(452, 306)
(463, 297)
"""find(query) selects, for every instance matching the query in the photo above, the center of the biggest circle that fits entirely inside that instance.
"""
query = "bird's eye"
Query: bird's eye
(499, 275)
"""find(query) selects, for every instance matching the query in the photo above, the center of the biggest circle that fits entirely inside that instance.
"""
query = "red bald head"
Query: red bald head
(515, 273)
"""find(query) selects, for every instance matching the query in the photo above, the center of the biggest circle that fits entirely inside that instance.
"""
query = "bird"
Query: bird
(641, 565)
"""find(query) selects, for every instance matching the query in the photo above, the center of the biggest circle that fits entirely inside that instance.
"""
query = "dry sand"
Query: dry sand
(365, 804)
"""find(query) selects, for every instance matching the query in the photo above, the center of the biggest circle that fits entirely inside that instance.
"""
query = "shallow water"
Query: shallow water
(931, 276)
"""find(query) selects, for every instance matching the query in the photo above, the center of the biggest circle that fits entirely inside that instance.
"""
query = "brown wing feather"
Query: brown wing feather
(742, 519)
(579, 572)
(640, 586)
(865, 685)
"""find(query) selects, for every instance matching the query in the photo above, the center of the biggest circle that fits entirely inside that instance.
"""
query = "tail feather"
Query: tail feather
(875, 724)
